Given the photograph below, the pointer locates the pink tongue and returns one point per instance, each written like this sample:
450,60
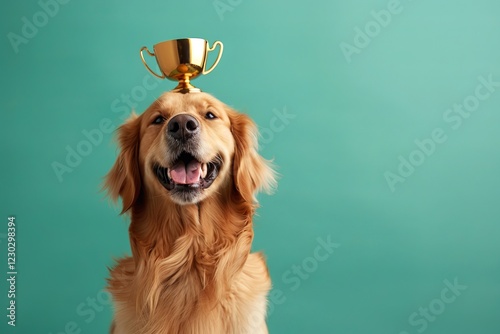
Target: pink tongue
186,174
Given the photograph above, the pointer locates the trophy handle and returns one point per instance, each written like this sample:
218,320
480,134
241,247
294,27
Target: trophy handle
218,57
145,64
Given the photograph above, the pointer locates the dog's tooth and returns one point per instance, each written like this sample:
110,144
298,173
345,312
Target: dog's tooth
169,173
203,170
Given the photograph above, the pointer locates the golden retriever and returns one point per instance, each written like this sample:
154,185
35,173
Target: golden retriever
187,173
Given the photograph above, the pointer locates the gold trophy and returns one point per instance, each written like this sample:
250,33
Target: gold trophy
182,60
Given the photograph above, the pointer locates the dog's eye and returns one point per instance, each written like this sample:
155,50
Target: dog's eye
210,115
159,120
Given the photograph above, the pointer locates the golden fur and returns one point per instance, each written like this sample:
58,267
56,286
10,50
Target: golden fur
191,270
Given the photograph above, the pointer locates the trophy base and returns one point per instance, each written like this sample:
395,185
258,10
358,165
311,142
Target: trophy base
185,86
183,90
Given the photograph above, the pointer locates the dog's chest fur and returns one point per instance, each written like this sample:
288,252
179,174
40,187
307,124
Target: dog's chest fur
194,286
182,308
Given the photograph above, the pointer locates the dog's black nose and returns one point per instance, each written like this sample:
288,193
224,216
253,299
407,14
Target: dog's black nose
183,127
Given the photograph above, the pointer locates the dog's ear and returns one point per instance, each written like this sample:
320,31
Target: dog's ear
124,180
251,172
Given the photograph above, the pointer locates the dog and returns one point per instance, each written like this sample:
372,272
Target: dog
187,174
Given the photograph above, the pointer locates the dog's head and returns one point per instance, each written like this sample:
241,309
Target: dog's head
185,148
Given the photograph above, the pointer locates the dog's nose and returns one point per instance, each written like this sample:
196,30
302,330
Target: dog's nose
183,127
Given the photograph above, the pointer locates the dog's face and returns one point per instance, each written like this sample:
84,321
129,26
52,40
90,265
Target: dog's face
185,148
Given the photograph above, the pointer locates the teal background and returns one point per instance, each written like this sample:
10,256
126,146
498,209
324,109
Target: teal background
350,123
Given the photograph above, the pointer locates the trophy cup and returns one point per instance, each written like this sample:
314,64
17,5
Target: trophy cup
182,60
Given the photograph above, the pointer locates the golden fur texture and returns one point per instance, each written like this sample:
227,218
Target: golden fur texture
191,270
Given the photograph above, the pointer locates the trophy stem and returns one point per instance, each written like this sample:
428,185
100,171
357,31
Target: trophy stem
185,86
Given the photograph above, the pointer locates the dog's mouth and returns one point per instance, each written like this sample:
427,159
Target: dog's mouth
187,173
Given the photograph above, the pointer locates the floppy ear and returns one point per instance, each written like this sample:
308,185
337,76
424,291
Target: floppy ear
124,179
251,172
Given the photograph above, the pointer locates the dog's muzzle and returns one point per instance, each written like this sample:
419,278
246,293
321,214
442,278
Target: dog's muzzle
186,174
